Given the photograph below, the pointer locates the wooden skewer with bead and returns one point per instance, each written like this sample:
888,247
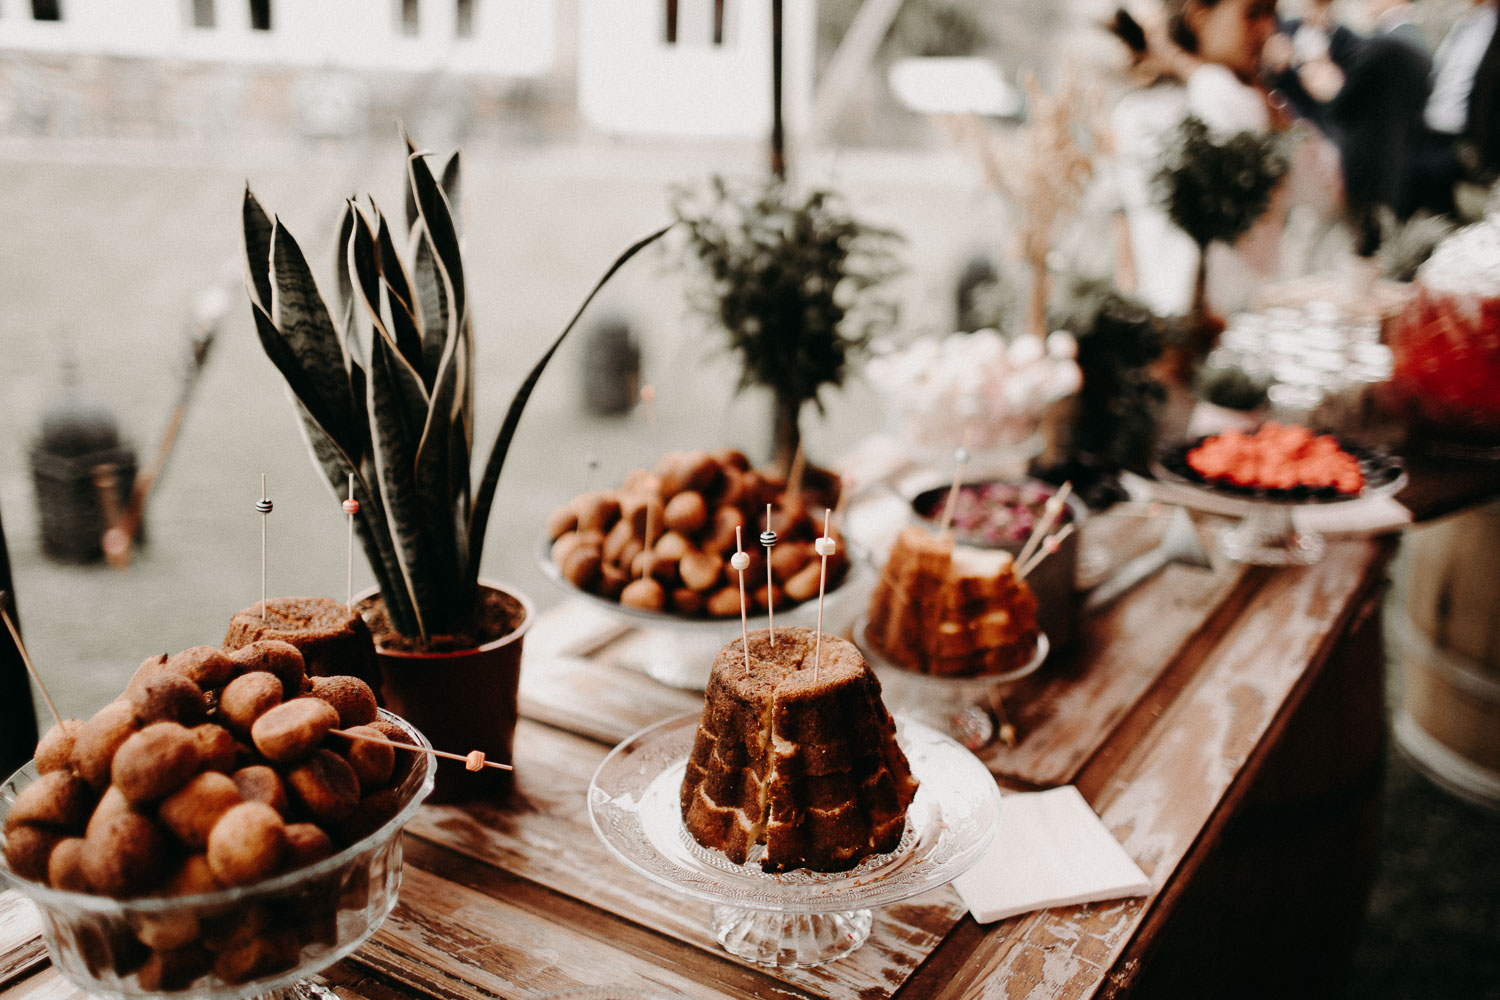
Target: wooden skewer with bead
960,459
15,635
1049,546
768,539
264,507
351,507
473,760
1050,514
738,562
1006,731
795,475
824,547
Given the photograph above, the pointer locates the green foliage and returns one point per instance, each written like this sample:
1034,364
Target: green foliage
1217,190
1405,246
791,279
1118,339
385,388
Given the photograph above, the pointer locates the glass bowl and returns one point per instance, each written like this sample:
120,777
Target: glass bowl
247,941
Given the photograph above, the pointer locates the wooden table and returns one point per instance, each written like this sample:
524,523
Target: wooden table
1226,726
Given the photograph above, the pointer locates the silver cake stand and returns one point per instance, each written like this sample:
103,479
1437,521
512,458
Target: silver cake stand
679,651
798,918
960,707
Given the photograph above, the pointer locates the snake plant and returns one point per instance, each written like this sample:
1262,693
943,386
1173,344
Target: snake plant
384,387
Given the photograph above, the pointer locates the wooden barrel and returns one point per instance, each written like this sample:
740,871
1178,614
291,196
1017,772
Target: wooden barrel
1449,649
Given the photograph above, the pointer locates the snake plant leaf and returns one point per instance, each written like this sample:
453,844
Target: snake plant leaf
346,229
405,315
437,219
303,322
257,226
359,448
484,499
396,431
453,188
411,198
432,300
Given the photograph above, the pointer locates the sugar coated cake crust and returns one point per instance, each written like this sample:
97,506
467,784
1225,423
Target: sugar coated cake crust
802,760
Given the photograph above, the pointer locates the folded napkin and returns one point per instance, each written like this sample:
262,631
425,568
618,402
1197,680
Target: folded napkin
1049,850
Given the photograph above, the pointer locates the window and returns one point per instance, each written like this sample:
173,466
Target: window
203,13
46,10
463,23
410,23
260,15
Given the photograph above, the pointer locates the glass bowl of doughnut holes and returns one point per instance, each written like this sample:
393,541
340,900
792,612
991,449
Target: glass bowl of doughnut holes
223,846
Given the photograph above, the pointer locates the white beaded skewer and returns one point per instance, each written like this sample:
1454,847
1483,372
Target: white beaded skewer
264,506
738,562
1039,530
350,507
960,459
1049,546
768,539
36,678
473,761
824,547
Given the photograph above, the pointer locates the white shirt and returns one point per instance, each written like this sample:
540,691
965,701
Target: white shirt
1454,66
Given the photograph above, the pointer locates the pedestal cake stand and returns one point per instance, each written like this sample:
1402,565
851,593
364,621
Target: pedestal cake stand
797,918
959,707
679,651
1265,534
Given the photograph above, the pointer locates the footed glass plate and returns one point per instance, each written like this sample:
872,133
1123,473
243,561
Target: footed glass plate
961,707
795,918
1265,535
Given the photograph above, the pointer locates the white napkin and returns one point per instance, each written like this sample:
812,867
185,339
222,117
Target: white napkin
1049,850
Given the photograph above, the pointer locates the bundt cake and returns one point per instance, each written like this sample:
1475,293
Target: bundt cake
804,761
955,610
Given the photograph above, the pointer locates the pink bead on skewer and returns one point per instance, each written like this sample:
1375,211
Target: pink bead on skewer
473,760
351,507
738,562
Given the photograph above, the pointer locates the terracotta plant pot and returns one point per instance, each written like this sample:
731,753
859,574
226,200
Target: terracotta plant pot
462,701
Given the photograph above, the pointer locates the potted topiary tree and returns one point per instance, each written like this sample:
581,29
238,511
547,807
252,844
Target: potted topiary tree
792,279
385,391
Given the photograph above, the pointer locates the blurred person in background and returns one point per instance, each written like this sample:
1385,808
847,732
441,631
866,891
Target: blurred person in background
1200,58
1368,97
1460,143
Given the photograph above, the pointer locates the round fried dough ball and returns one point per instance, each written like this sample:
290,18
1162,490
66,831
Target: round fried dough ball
247,698
686,512
208,667
259,783
192,877
28,848
372,762
156,761
55,749
191,811
275,657
325,786
96,741
350,696
65,866
246,844
645,594
126,856
306,844
169,697
217,747
293,729
58,799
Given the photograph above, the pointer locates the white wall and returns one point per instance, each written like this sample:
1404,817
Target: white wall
511,37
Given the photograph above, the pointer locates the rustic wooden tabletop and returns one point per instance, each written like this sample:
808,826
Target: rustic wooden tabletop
1162,714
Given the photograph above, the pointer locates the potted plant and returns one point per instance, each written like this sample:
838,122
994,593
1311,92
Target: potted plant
1213,189
384,387
793,280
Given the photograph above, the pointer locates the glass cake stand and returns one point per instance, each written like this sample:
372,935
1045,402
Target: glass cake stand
679,651
798,918
960,707
1266,534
